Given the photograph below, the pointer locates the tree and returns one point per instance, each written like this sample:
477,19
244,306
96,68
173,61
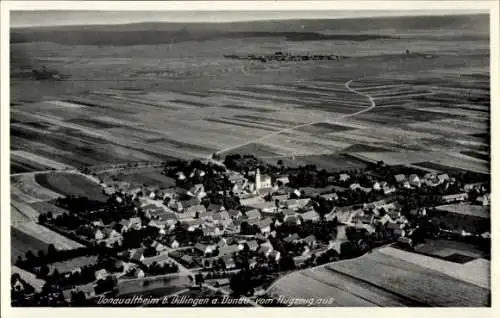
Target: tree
42,218
41,255
44,271
30,257
51,251
78,298
198,279
382,212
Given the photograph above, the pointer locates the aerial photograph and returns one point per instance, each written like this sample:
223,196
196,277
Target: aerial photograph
250,159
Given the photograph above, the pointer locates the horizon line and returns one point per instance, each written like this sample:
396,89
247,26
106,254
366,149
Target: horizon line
364,15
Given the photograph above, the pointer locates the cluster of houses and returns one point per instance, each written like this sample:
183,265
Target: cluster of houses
110,234
225,231
285,57
429,179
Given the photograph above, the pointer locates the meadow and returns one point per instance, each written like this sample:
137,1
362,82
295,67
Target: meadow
390,277
69,184
151,101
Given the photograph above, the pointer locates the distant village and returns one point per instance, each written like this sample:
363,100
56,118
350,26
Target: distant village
286,57
236,226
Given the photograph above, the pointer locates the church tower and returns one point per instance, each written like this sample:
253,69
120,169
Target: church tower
258,184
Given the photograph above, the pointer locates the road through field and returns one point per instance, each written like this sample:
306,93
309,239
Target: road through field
346,85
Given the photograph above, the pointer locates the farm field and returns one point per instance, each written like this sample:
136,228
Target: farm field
446,248
69,265
28,277
22,242
25,188
137,177
329,162
45,207
164,104
407,92
32,236
30,162
437,160
475,272
384,278
22,212
71,184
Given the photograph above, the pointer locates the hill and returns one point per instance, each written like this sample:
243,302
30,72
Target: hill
292,30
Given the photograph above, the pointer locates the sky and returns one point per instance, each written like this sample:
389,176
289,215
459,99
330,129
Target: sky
61,18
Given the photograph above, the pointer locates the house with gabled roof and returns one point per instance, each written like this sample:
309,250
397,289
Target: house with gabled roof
275,255
137,254
91,232
110,233
283,179
254,213
310,215
134,223
310,240
229,249
330,196
260,237
394,226
293,219
362,218
189,203
280,197
455,197
354,186
336,245
195,210
172,242
389,189
188,260
198,191
158,246
400,178
88,290
414,180
207,215
344,177
252,245
443,177
252,263
386,219
214,208
228,262
234,214
192,224
212,230
101,274
265,249
159,259
265,225
292,238
233,228
161,225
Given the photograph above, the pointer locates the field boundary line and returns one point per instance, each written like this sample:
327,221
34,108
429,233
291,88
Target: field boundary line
346,85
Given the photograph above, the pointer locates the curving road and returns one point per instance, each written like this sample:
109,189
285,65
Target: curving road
347,86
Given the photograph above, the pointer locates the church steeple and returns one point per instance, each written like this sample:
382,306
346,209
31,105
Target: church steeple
258,184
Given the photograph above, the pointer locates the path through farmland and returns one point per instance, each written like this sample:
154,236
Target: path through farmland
347,86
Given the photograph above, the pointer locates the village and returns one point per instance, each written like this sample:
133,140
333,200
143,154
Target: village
235,226
286,57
